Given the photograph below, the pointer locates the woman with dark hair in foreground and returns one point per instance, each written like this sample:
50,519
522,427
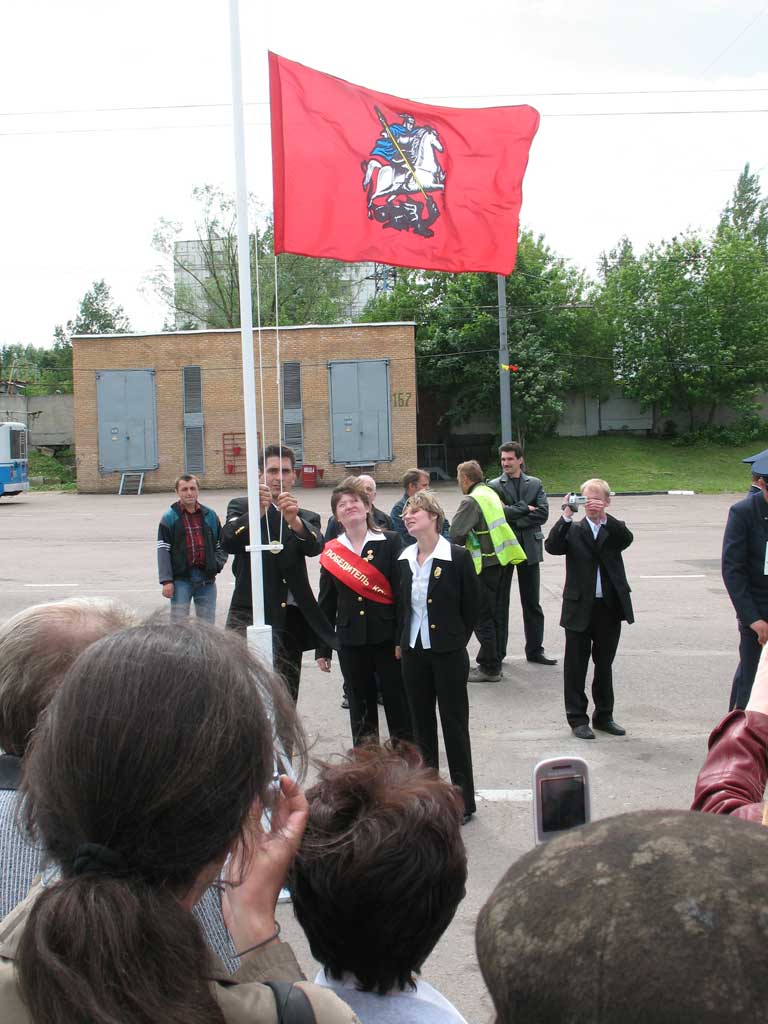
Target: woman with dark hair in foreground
151,768
379,876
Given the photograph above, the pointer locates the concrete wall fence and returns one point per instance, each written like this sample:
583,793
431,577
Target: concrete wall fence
50,419
218,355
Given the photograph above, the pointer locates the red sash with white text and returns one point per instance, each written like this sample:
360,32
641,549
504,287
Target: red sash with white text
356,573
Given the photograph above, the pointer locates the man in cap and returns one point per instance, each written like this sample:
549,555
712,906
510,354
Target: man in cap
654,917
750,460
745,574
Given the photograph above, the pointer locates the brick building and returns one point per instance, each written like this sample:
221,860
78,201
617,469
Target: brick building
163,404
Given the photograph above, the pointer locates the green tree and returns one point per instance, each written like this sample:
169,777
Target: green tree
554,338
747,212
47,370
98,313
687,320
200,286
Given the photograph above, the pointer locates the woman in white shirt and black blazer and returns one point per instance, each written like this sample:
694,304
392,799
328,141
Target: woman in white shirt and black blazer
439,599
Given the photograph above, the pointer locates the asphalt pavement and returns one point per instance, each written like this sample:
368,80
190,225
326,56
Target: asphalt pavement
672,673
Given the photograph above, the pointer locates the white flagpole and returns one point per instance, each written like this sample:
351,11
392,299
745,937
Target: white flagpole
259,634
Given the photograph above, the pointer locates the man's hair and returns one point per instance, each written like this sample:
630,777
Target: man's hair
186,477
511,446
676,895
472,470
382,867
367,476
37,646
427,500
412,476
118,786
354,486
277,451
595,481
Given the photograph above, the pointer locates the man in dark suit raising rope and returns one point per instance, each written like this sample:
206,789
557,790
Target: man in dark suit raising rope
290,607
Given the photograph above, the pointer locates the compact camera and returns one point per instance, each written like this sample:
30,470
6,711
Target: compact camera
574,502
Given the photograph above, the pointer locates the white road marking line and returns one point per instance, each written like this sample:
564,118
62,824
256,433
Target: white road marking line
518,796
51,584
689,576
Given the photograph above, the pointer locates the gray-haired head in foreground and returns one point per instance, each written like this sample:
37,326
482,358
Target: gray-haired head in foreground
37,646
657,917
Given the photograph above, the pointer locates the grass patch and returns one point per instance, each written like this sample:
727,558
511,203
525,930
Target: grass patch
57,475
640,464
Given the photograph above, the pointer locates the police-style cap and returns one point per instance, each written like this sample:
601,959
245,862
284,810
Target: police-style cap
750,459
760,465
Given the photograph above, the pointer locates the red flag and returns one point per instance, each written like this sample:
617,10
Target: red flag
362,176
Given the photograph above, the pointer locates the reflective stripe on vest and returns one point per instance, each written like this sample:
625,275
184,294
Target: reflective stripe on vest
506,547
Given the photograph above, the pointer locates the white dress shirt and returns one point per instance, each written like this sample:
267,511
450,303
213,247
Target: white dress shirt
595,527
419,588
370,537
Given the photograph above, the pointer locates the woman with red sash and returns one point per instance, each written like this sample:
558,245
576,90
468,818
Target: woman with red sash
439,601
358,592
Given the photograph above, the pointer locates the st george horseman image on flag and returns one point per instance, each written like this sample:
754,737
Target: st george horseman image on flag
361,176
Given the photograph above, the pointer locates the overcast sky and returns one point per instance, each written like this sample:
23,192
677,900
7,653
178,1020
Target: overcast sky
84,180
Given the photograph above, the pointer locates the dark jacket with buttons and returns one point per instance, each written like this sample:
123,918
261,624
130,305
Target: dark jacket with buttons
453,601
583,556
745,544
284,571
358,620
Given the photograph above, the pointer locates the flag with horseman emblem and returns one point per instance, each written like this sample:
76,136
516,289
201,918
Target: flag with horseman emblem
362,176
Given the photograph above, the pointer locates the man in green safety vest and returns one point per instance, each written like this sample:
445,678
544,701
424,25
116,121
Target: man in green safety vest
481,525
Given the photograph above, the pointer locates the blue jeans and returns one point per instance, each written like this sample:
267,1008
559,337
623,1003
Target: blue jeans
196,589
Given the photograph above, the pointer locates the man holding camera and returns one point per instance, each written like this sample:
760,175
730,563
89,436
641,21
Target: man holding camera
595,602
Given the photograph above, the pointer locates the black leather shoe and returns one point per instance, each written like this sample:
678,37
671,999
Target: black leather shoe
583,732
345,702
610,727
467,818
542,659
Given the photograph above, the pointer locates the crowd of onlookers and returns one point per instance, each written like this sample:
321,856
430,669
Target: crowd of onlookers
145,838
150,819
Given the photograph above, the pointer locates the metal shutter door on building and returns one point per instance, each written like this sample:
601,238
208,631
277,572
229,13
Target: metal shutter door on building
127,425
293,417
194,455
194,437
359,406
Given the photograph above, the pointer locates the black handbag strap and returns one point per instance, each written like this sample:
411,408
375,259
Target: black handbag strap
293,1007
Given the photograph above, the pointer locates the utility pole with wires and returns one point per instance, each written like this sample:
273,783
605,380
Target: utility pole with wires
504,387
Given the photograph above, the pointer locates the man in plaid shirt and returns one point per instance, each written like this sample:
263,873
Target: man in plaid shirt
188,553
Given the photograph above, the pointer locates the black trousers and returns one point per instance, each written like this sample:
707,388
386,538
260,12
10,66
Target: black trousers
287,643
361,668
486,629
600,640
441,677
528,585
749,656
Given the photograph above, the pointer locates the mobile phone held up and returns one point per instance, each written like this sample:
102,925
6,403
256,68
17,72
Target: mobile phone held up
560,796
574,502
